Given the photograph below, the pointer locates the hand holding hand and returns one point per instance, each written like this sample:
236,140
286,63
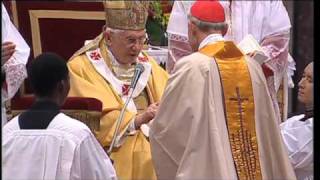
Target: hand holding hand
147,116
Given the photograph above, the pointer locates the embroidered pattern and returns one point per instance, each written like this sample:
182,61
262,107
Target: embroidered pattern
243,144
244,152
95,55
240,114
125,89
15,74
177,37
121,85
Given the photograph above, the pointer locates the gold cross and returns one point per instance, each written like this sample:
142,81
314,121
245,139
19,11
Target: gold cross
239,100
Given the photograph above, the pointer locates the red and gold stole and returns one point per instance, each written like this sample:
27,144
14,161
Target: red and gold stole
239,107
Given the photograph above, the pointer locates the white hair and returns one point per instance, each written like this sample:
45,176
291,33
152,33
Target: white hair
205,26
115,30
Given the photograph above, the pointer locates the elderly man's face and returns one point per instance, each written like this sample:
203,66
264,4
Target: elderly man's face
127,45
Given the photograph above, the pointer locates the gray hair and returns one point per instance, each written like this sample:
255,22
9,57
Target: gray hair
116,31
207,26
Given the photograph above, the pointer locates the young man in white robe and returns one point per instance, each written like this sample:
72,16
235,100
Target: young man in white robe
42,142
297,131
216,119
267,21
14,57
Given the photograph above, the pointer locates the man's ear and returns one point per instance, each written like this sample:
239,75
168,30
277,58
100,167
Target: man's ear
225,30
60,86
64,86
191,27
107,36
194,29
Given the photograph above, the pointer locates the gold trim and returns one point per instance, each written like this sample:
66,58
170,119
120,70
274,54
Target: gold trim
90,118
35,15
15,13
114,5
239,108
282,99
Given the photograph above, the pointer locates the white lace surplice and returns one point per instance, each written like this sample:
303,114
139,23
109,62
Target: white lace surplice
15,67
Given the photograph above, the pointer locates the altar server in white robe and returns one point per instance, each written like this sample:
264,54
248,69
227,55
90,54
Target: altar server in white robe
42,142
297,131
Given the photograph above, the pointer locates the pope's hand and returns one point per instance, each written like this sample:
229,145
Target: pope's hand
147,116
7,49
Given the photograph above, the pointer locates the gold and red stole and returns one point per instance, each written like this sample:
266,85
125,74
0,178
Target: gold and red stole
239,107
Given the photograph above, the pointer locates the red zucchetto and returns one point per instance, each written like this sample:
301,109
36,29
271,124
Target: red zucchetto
208,11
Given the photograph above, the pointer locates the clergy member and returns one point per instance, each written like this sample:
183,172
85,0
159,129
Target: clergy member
297,131
42,142
103,69
216,119
14,57
267,21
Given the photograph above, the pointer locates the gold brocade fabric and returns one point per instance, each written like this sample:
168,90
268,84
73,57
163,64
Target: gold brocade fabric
123,73
281,100
142,101
239,108
126,15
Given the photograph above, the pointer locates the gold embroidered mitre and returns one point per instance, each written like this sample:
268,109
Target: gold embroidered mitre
126,15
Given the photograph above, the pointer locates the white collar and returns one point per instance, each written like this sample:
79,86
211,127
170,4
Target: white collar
211,39
114,60
119,86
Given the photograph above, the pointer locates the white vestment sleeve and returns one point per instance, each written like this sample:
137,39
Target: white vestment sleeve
178,18
15,67
298,138
278,19
91,162
177,30
275,40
